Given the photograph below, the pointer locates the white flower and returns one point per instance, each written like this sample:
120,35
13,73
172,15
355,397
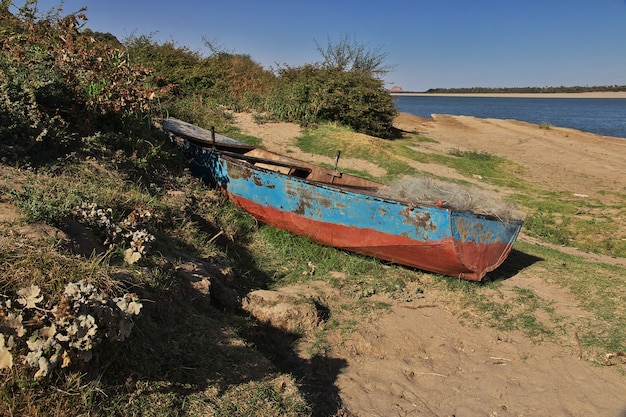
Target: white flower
73,290
67,360
32,358
139,240
72,329
48,332
84,331
29,296
42,340
14,322
44,367
129,304
86,320
6,359
131,256
81,292
62,337
134,307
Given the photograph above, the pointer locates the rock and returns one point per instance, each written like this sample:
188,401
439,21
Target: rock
288,312
206,286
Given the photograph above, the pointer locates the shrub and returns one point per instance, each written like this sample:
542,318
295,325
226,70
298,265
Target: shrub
311,94
203,87
344,88
55,81
356,99
64,334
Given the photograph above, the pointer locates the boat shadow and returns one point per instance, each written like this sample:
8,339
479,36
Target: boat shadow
516,262
316,376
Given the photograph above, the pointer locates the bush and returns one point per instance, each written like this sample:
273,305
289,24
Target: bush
356,100
203,87
311,94
55,81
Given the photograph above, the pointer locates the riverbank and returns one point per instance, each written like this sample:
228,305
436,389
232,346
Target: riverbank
558,158
597,94
422,357
562,159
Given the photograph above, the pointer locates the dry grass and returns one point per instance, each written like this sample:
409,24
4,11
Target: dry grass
199,365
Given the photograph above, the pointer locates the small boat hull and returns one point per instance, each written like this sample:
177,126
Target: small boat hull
354,218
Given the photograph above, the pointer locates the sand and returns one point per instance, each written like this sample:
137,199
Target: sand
420,359
595,94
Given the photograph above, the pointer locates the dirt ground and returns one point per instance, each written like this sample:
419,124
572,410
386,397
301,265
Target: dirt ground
420,360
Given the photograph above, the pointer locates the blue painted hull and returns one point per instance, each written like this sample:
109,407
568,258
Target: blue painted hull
349,215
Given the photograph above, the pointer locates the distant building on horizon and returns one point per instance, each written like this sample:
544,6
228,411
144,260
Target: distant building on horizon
396,89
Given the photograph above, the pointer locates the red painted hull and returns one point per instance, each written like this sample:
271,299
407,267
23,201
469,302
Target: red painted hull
466,260
346,211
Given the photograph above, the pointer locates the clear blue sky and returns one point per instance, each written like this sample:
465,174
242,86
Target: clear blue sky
429,43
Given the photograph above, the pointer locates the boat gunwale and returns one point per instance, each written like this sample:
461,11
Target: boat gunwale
364,191
222,144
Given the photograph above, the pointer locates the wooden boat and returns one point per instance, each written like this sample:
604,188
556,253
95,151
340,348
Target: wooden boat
346,211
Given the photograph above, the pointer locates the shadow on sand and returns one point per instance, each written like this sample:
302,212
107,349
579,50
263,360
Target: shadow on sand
516,262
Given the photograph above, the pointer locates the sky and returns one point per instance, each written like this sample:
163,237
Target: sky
428,43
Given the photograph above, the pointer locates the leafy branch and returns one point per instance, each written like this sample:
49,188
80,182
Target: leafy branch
350,55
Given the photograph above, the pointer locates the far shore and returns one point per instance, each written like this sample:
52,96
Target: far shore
595,94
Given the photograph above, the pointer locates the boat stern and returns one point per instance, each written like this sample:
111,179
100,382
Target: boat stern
482,243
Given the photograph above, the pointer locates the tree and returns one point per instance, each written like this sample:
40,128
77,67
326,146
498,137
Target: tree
350,55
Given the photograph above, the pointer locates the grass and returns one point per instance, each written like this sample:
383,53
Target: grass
555,217
214,362
290,256
597,289
587,224
523,310
395,156
328,139
202,365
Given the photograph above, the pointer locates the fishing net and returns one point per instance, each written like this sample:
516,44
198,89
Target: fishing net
425,190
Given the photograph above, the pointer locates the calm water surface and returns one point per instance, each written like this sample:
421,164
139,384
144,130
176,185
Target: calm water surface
603,116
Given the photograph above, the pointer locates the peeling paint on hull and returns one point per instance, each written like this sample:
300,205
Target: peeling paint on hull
434,239
343,211
467,260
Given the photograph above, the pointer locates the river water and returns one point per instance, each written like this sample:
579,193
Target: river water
603,116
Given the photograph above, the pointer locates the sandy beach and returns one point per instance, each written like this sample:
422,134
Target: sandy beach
420,359
599,94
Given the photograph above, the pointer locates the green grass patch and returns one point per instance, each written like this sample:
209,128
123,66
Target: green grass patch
328,139
597,288
286,259
587,224
395,155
